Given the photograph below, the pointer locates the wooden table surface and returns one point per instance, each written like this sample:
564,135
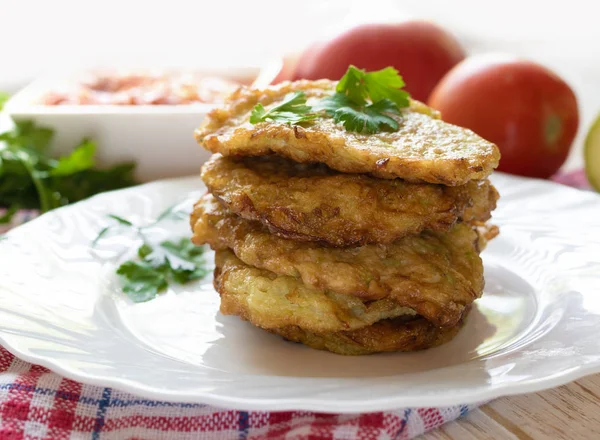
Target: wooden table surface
569,412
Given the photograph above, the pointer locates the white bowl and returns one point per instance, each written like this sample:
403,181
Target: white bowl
158,138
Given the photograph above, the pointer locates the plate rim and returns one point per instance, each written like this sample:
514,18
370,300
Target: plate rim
306,404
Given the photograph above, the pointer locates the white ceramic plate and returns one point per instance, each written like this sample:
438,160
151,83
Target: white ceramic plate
535,327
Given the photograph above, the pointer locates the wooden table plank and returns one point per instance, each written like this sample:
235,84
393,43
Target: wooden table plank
569,412
475,426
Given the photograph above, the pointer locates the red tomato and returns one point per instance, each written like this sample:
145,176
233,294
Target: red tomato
524,108
421,51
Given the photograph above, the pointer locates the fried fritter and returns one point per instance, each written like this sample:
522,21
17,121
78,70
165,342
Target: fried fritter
311,202
273,301
400,334
436,274
424,148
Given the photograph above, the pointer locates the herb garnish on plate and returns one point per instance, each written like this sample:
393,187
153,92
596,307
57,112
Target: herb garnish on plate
157,263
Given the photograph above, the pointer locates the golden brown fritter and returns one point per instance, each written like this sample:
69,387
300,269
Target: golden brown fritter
424,148
400,334
436,274
311,202
273,301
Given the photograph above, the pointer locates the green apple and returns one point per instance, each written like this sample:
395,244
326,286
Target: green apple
591,154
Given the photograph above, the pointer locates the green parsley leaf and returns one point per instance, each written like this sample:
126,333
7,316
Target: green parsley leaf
259,114
182,256
121,220
141,280
360,86
334,102
105,230
155,255
367,119
83,184
187,253
30,136
80,159
179,261
188,263
386,84
33,179
352,85
292,110
146,250
350,104
3,98
30,161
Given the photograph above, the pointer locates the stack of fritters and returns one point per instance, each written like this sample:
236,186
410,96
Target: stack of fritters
346,242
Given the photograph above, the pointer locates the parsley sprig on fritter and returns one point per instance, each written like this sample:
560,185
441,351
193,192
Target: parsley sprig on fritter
362,103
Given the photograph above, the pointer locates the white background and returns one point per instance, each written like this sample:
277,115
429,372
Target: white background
37,36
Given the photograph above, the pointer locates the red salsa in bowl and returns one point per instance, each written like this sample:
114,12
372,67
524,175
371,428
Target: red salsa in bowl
114,88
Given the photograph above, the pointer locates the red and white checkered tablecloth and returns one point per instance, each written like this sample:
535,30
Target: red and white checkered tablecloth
38,404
